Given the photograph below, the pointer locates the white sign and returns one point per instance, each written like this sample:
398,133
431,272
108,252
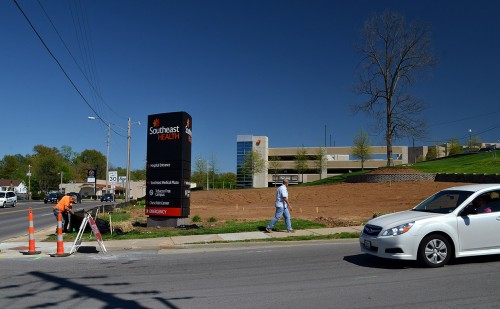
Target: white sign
122,179
113,176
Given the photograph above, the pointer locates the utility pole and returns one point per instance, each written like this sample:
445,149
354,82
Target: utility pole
127,188
107,157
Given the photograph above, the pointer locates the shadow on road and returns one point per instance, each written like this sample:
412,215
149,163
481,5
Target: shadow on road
366,260
83,292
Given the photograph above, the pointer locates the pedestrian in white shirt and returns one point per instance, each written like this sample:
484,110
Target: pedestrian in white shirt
283,208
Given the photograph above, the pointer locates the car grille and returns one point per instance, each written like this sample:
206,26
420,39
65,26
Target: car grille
372,230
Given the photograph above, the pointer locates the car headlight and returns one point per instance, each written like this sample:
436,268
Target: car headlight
398,230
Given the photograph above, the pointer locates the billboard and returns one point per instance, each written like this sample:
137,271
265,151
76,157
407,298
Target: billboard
168,168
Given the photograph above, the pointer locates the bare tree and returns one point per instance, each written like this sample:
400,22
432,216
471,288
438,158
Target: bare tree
320,162
361,148
394,52
301,163
213,168
274,165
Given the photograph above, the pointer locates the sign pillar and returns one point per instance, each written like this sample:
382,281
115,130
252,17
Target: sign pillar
168,169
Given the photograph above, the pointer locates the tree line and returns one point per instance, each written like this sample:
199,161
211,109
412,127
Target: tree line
47,167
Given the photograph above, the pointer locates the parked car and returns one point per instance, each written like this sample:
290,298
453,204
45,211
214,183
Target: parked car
53,198
456,222
108,197
8,198
77,196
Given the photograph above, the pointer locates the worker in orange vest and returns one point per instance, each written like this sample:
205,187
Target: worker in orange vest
64,206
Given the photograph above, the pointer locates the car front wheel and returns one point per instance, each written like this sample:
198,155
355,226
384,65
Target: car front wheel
434,251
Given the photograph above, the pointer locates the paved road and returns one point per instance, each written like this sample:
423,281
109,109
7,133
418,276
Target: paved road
316,274
14,220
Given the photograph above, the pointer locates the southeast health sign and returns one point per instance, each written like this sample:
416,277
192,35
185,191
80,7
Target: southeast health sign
168,168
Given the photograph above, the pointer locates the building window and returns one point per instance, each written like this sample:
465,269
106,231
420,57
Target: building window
243,179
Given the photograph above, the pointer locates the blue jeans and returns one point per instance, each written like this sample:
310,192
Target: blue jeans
280,211
65,220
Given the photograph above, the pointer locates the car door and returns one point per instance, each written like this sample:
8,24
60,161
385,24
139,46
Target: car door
9,198
479,231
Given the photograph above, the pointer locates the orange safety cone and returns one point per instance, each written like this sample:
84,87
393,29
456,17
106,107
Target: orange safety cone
31,232
60,242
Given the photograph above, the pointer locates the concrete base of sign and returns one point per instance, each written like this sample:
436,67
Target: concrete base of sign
167,222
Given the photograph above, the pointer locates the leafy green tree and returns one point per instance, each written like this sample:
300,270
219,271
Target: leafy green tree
301,161
361,148
68,153
431,153
227,180
253,163
393,53
138,175
13,167
455,147
89,160
47,165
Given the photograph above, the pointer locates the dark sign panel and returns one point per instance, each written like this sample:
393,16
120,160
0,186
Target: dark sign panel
168,168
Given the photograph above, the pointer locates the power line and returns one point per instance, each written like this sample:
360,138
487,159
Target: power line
93,85
57,61
63,70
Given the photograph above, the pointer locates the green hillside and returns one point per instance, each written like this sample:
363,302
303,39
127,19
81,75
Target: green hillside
478,163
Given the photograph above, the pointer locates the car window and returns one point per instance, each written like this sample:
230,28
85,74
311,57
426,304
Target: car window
486,202
443,201
2,194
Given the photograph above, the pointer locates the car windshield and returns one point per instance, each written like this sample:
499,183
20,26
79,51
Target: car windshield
444,201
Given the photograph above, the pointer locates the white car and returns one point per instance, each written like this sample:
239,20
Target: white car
455,222
8,198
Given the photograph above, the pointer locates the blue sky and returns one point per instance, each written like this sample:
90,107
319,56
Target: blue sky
279,68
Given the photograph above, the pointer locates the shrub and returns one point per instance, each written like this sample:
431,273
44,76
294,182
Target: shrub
212,219
196,218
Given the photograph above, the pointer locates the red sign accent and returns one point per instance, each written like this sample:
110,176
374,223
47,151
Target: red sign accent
95,230
163,212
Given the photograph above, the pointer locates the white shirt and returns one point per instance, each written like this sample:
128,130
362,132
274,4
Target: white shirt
281,193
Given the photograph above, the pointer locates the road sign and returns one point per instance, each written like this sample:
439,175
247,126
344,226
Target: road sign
122,179
113,176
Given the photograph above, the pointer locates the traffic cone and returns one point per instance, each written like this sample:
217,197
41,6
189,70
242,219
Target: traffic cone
31,232
60,242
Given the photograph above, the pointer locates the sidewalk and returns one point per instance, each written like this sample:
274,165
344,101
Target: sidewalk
13,247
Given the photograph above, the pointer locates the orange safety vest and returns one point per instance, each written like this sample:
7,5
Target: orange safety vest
63,203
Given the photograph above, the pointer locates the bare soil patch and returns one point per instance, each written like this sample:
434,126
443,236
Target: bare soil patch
334,205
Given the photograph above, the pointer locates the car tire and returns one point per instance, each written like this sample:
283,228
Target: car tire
3,205
14,204
434,251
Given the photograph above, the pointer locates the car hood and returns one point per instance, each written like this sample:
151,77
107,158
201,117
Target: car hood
402,217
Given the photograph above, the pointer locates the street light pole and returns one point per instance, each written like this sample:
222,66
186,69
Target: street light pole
29,182
60,187
470,139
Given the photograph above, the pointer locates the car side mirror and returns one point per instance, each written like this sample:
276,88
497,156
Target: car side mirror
469,210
